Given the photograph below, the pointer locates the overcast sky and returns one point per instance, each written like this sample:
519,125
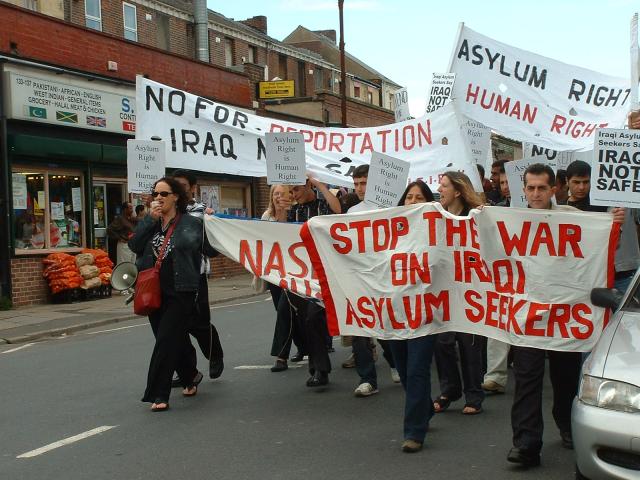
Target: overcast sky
408,40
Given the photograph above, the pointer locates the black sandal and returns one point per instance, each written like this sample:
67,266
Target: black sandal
193,386
441,403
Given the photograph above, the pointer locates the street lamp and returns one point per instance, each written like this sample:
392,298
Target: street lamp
343,73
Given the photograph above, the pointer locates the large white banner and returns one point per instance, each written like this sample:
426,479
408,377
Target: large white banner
411,271
208,136
532,98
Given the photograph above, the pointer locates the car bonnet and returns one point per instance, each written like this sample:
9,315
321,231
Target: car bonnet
623,359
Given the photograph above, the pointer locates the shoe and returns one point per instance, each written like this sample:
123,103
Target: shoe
298,357
350,362
411,446
567,439
365,390
492,387
279,366
395,376
175,381
441,403
318,379
191,389
216,366
521,456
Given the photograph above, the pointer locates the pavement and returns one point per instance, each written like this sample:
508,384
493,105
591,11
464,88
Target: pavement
27,324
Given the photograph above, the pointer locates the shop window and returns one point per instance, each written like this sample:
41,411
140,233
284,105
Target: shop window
130,22
48,210
93,14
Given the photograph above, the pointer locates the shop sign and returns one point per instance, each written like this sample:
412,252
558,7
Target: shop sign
280,89
39,97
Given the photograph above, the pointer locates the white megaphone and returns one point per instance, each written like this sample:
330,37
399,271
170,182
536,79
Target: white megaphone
123,278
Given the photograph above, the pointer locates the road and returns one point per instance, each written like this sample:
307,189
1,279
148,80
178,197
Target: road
249,424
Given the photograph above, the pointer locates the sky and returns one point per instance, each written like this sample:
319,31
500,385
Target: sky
408,40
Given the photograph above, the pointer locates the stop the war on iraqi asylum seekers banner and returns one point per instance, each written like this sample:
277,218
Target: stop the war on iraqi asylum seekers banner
204,135
520,276
533,98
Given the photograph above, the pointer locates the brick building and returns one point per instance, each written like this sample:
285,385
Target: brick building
66,168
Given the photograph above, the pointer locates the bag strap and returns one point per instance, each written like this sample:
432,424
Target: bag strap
167,237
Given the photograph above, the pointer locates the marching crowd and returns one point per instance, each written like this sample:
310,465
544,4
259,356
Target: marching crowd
171,238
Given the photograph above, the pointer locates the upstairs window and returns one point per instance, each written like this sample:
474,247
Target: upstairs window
253,54
93,14
130,22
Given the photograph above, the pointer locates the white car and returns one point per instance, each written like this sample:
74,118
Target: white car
606,412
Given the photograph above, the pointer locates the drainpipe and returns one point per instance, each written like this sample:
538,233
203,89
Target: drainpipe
200,16
5,200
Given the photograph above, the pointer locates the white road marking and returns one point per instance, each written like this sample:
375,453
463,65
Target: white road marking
18,348
238,304
116,329
66,441
265,367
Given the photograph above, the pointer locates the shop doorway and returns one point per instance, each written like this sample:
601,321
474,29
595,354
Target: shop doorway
107,203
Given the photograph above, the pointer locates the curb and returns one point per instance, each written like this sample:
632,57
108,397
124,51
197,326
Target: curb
54,332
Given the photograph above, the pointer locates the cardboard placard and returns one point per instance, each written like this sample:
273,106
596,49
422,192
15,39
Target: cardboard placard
401,105
286,163
440,91
386,181
145,164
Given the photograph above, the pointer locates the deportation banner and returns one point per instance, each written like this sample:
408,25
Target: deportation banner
208,136
534,98
411,271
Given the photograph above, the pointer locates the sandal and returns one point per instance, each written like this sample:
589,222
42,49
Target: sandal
441,403
191,389
471,410
160,405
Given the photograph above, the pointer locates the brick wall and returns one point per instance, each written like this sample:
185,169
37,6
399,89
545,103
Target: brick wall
223,267
28,285
87,50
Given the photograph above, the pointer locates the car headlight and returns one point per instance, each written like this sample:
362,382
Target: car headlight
604,393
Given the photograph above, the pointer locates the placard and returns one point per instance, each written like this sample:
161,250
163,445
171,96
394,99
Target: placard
555,159
76,199
440,91
478,138
386,181
401,105
145,164
286,163
615,172
515,178
41,201
19,183
210,197
57,210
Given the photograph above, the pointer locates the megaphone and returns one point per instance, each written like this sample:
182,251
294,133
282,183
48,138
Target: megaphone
123,278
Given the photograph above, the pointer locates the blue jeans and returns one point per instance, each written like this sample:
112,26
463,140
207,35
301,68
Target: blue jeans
413,362
365,365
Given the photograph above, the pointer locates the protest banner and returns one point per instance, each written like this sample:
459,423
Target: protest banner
411,271
440,91
515,178
386,181
208,136
555,159
145,164
286,163
533,98
615,171
401,105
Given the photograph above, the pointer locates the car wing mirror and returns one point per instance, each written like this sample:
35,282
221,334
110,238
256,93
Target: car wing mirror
606,298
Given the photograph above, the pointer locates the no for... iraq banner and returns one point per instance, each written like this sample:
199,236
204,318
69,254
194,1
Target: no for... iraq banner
533,98
208,136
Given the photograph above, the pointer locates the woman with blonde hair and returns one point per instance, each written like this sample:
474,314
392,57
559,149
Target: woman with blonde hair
458,198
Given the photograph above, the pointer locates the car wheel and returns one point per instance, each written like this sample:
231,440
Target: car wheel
579,475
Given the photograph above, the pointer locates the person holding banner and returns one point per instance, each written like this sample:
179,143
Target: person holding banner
458,198
412,358
168,230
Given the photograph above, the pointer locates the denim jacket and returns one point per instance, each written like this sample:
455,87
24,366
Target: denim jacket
186,253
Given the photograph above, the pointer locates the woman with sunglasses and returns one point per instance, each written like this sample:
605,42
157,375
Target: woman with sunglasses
412,358
457,197
179,280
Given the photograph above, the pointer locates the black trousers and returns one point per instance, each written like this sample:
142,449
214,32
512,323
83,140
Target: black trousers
289,327
315,328
201,328
470,348
170,330
526,413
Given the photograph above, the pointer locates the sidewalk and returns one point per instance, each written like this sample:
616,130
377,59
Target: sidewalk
32,323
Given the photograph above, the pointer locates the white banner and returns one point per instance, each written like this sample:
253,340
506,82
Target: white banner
534,98
212,137
411,271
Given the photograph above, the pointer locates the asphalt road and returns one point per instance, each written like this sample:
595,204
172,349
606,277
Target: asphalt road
249,424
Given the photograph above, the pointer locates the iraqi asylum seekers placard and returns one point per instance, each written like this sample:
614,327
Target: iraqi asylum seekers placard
440,91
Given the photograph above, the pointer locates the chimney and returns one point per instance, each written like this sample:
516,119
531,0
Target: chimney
257,23
200,16
330,34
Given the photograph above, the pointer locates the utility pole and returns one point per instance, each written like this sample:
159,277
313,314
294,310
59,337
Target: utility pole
343,73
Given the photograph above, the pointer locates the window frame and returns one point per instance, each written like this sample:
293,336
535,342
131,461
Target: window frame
48,172
91,17
124,21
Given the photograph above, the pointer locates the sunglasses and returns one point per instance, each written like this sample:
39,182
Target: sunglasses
154,194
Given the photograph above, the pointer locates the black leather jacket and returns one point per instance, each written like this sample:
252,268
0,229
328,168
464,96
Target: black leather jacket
186,253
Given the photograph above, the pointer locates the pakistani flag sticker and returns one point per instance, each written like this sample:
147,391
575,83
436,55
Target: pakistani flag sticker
66,117
35,112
